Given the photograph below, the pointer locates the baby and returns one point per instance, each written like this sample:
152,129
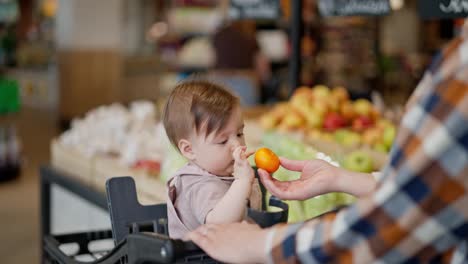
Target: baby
204,122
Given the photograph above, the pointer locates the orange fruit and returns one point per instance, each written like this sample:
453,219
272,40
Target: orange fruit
267,160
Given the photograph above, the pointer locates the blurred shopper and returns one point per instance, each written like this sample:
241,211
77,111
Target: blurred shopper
419,211
239,61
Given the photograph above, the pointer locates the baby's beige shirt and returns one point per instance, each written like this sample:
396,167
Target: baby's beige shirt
192,193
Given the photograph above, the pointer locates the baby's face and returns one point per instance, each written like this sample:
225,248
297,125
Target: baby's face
214,152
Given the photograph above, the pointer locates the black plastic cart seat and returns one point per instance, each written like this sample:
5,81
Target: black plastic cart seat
128,215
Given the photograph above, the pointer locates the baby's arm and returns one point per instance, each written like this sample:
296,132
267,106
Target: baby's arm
231,208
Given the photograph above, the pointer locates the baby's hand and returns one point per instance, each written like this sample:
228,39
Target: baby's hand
241,153
242,168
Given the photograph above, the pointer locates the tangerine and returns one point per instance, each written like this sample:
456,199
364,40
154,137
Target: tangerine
267,160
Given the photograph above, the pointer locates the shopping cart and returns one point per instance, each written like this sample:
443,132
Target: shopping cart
140,233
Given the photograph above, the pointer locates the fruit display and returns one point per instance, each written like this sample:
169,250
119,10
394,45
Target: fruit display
324,114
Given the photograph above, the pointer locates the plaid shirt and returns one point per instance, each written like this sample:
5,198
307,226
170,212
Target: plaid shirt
419,212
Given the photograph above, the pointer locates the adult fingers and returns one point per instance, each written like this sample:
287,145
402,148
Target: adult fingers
293,165
277,188
202,240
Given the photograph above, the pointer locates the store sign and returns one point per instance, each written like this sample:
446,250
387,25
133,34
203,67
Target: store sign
354,7
443,8
254,9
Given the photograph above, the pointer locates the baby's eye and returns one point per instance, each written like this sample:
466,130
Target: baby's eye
223,142
240,134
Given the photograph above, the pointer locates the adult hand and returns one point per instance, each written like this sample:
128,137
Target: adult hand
317,177
232,243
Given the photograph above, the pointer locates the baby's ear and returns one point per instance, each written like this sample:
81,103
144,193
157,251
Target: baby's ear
185,148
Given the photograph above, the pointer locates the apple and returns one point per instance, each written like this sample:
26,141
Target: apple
358,161
347,138
347,110
361,123
333,104
281,109
340,93
293,120
320,106
314,118
380,147
269,121
299,103
303,91
362,107
374,114
321,91
389,136
383,123
371,136
333,121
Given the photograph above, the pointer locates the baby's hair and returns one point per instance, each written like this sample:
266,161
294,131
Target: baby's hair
197,105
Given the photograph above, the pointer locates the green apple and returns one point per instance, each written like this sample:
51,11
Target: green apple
347,138
358,161
313,118
300,103
340,135
383,123
362,107
389,135
321,91
293,120
380,147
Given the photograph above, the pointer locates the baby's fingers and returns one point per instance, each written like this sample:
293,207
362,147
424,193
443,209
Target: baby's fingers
249,153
